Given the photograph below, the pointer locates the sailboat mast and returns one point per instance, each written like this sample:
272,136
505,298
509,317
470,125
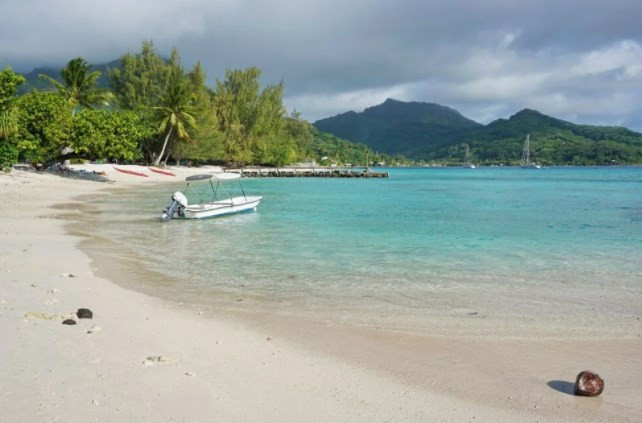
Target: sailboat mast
526,155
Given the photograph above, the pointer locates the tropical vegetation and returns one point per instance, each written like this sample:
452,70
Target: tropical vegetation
150,109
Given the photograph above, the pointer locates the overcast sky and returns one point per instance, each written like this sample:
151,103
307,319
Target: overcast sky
579,60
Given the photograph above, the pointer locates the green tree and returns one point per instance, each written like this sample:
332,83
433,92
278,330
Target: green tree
177,113
300,132
9,83
143,78
251,120
44,125
207,143
111,135
79,85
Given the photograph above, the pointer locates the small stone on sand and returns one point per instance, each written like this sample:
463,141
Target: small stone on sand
84,313
189,374
69,322
94,329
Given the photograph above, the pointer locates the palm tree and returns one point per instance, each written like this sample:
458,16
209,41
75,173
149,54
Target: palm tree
79,85
177,112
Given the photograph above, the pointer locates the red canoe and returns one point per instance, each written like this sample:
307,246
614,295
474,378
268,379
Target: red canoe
164,172
131,172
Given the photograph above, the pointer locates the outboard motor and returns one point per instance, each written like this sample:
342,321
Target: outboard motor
179,201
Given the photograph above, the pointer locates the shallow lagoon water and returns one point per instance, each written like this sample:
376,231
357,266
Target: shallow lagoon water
487,250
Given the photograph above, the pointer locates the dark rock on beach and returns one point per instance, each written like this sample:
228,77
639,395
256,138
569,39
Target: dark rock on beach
588,384
84,313
69,322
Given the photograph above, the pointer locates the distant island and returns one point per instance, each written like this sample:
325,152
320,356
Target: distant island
428,132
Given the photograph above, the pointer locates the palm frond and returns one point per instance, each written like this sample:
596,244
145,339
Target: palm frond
57,85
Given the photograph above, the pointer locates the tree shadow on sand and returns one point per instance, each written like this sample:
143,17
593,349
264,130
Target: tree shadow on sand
562,386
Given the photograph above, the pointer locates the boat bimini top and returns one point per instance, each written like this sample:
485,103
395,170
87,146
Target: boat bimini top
179,199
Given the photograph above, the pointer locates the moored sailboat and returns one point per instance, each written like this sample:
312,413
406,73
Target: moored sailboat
467,163
525,162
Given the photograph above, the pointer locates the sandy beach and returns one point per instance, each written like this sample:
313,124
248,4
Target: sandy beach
143,358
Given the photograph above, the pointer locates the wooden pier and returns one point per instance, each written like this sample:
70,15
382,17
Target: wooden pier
307,172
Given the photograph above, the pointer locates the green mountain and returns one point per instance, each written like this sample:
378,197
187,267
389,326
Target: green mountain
553,141
425,131
33,82
395,127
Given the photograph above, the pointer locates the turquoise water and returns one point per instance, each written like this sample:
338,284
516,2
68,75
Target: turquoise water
554,248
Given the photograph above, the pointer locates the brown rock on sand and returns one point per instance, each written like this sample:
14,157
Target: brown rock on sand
588,384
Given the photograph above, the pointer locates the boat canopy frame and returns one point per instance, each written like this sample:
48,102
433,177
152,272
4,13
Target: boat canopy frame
219,178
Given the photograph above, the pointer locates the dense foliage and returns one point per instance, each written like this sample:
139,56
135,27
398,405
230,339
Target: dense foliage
9,83
45,125
143,78
117,135
160,112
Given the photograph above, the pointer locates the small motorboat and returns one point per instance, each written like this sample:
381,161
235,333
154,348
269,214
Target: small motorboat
216,206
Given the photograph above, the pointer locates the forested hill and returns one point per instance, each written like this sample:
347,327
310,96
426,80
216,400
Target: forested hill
33,82
444,134
396,127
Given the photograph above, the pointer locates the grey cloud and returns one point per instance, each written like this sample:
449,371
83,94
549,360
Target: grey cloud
576,59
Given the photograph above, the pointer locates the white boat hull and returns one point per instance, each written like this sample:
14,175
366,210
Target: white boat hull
220,208
531,166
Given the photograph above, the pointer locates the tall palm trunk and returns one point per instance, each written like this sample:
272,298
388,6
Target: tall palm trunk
169,151
160,156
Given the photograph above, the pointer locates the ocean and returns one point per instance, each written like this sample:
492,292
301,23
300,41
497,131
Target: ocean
488,251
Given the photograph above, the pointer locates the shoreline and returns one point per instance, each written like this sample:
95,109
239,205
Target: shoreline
305,371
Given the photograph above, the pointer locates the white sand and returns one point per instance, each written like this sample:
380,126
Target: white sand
226,369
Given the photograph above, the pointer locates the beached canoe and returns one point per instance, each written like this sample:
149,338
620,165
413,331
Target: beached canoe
131,172
162,172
